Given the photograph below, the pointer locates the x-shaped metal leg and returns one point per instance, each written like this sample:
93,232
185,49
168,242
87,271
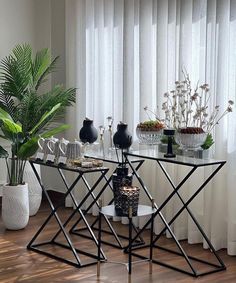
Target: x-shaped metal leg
193,272
62,226
112,231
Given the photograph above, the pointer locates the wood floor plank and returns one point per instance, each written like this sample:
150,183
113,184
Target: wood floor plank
17,264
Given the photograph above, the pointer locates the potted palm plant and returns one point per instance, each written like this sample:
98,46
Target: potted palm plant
25,116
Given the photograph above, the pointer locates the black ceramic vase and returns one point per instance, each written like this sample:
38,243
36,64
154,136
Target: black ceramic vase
122,138
88,132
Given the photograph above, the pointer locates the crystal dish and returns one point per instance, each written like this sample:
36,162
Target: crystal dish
149,137
190,141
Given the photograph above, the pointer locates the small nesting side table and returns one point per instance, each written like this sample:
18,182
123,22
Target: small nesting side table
143,210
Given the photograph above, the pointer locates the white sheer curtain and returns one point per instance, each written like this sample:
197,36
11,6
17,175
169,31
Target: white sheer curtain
124,54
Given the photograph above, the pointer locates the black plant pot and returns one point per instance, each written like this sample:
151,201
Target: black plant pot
122,138
88,132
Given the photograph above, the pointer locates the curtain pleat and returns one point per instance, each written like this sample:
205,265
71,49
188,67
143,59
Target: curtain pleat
123,55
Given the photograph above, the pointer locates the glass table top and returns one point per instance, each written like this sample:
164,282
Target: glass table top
154,154
139,152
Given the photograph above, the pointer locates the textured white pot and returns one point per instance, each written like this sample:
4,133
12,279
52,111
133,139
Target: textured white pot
15,206
35,191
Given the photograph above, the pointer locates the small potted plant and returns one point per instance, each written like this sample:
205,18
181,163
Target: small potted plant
25,115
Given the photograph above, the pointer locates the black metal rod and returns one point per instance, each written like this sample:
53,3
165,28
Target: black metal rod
61,225
80,211
185,206
78,206
69,191
151,239
191,257
78,250
150,197
99,235
53,256
113,232
56,217
130,244
158,212
219,268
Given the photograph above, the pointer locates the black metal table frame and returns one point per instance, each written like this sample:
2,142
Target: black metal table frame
108,210
219,164
77,231
36,246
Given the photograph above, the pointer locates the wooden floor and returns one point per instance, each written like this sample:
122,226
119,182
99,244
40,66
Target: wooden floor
17,264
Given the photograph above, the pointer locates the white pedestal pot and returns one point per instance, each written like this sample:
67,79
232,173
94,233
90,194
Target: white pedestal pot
35,191
15,206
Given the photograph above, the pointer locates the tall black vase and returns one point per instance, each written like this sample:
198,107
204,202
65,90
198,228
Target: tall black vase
88,132
122,138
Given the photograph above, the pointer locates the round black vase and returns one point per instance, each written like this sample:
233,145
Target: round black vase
122,138
88,132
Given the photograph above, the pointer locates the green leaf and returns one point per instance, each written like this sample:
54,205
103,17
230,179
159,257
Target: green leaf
16,71
208,142
3,152
45,117
42,67
10,129
28,149
55,131
5,115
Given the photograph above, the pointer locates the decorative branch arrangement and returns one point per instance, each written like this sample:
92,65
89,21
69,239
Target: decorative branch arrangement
187,107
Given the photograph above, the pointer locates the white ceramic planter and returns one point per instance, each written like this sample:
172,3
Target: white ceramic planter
35,191
15,206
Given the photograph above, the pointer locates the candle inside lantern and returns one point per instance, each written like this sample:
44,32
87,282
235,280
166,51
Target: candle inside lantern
129,189
129,199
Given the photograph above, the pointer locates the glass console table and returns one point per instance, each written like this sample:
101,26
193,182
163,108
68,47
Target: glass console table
115,158
62,238
193,164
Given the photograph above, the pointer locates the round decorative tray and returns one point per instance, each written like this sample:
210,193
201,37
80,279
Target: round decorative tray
149,137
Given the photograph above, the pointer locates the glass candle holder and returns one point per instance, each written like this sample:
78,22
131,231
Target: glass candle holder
129,198
101,140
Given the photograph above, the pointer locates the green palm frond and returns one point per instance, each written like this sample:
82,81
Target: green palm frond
8,104
46,117
5,115
42,66
58,95
24,112
26,109
15,71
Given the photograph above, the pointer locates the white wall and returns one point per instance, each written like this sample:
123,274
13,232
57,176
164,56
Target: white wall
52,179
24,21
41,23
